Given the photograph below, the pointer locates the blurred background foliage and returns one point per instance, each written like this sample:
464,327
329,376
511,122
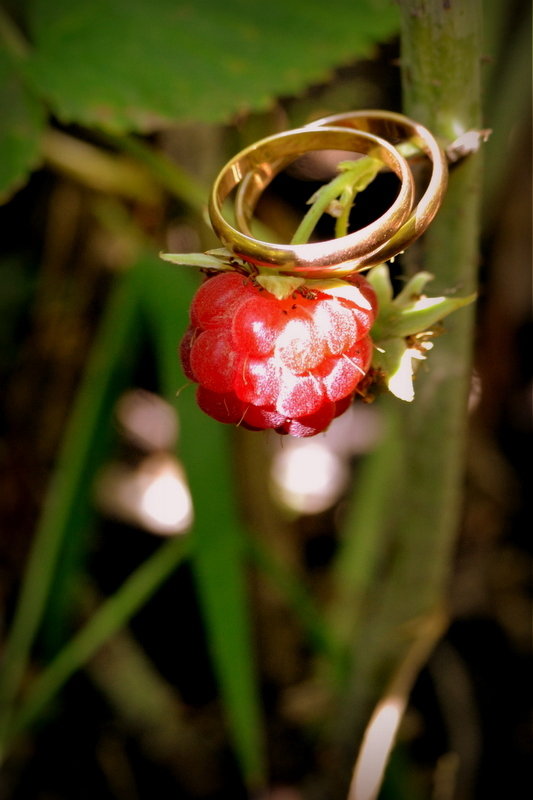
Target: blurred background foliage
216,662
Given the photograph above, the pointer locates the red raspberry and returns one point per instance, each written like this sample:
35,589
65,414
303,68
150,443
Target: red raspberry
290,364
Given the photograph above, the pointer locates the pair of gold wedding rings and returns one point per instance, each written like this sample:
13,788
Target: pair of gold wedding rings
375,133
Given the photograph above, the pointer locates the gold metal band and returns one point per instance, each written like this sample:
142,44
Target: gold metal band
263,160
394,128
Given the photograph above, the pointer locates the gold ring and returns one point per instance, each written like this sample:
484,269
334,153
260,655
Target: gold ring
264,159
394,128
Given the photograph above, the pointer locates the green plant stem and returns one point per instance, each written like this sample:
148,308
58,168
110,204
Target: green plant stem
93,167
440,58
10,36
343,220
181,185
107,620
440,66
344,187
330,192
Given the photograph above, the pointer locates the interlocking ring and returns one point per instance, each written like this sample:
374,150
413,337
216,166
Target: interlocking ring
263,160
394,128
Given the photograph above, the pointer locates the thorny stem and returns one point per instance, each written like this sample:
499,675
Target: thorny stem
440,69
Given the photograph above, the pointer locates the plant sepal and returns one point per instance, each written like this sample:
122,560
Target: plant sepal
405,327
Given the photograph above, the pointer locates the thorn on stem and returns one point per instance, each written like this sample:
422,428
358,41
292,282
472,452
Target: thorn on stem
466,144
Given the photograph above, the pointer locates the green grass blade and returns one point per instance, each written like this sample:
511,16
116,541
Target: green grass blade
68,488
113,614
218,555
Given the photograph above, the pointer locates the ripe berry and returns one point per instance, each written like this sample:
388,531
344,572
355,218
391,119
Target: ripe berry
292,364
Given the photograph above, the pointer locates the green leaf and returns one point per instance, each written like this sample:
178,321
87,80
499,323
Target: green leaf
395,360
20,129
413,288
138,65
424,313
410,312
379,279
198,260
416,316
281,286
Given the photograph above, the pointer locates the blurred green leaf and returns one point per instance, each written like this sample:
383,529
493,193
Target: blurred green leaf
22,123
219,556
88,441
113,613
219,549
68,496
137,64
